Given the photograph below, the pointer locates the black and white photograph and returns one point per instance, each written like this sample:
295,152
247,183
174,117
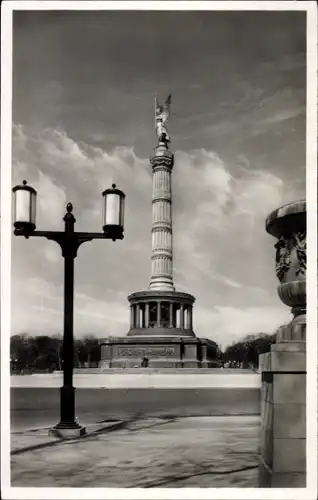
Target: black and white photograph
158,176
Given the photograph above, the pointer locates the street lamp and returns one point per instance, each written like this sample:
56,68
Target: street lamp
69,241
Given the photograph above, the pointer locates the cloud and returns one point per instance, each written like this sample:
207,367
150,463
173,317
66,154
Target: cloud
229,324
52,253
43,300
222,254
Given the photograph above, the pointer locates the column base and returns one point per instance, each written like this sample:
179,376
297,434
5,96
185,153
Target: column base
161,286
210,364
67,431
190,363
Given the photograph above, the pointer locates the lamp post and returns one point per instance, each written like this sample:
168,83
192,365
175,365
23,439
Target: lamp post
69,241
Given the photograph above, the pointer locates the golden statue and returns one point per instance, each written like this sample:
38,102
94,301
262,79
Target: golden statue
162,113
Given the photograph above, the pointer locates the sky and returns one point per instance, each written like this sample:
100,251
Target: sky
83,102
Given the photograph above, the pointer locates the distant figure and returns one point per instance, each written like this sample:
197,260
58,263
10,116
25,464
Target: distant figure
144,362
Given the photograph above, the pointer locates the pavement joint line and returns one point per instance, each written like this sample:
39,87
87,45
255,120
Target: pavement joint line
170,479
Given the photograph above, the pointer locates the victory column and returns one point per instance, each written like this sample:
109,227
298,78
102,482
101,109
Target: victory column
161,318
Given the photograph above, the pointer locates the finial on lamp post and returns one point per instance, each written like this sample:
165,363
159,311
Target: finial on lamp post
69,208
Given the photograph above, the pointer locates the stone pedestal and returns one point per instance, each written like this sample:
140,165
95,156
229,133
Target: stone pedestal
161,352
208,356
283,369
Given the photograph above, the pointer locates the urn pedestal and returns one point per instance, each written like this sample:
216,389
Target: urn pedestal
283,369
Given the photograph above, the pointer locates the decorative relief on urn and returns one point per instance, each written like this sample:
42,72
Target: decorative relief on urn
288,225
283,259
301,249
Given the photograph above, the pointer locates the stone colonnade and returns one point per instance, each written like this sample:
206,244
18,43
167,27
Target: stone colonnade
161,314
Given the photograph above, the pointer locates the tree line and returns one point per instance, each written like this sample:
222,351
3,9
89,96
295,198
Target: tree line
44,353
245,353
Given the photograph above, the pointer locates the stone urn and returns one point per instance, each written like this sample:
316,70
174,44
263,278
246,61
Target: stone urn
283,368
288,225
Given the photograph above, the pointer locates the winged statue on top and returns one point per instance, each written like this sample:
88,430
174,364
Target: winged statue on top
162,113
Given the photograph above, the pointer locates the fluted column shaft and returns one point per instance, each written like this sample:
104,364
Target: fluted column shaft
161,255
190,318
171,315
181,316
137,316
132,316
147,316
158,313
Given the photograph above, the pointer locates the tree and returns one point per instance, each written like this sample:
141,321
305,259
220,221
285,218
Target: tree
45,353
247,350
19,352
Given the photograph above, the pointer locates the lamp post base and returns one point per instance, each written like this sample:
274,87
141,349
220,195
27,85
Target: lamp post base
67,431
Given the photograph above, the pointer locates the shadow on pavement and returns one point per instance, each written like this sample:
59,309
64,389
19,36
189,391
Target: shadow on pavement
171,479
55,442
91,435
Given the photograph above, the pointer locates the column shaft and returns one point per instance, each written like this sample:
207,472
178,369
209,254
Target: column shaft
137,316
190,320
171,315
161,276
181,316
158,313
146,315
132,316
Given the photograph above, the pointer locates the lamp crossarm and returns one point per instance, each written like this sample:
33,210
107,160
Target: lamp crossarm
70,241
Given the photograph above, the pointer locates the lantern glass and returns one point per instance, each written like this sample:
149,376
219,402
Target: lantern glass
122,211
113,210
24,207
33,208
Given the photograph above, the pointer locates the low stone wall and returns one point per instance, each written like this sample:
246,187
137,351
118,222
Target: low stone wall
126,379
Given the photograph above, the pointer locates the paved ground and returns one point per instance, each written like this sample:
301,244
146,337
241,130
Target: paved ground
143,452
139,437
34,407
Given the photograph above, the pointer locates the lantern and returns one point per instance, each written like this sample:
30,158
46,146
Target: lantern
113,211
24,208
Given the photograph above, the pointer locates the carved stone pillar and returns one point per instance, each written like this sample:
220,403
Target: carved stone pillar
190,320
147,315
283,369
137,316
162,250
158,313
181,316
171,315
132,316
